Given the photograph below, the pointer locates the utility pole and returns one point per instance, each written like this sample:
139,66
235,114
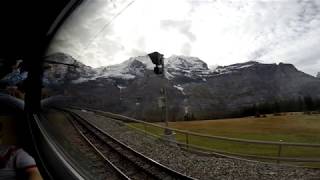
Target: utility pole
138,103
120,92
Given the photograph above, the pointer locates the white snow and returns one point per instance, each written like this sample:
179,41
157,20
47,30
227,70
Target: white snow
169,75
185,63
234,67
121,87
175,66
179,87
191,67
80,80
213,67
125,70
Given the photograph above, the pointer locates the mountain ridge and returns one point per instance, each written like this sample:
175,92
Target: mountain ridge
206,93
175,65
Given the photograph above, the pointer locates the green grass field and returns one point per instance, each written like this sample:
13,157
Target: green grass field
291,127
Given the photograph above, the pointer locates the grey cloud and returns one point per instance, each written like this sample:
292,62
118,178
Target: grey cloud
186,49
308,57
255,55
136,52
309,65
182,26
309,10
278,29
84,32
285,20
141,43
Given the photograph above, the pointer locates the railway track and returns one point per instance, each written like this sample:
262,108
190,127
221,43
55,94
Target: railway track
98,166
123,160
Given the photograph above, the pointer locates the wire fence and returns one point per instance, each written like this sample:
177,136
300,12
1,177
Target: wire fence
300,154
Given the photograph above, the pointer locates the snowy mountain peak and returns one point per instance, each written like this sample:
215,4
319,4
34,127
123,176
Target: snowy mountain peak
184,66
182,69
234,67
186,63
144,60
129,69
136,67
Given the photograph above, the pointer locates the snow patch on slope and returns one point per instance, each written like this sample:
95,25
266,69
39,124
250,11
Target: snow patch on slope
186,63
129,69
82,80
179,87
234,67
185,66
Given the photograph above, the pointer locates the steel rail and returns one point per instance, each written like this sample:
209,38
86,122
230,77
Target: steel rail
170,173
106,160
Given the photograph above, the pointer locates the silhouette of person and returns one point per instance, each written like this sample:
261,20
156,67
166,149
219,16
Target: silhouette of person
15,163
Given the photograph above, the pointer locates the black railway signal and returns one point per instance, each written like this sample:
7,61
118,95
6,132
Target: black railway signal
157,59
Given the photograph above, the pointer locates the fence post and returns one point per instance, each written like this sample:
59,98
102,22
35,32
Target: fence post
279,152
187,139
145,128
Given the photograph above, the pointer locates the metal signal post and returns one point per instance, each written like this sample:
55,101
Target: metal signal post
158,60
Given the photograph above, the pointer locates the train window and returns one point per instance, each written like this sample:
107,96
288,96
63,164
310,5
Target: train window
200,87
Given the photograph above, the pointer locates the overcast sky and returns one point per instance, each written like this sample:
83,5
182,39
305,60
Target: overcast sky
220,32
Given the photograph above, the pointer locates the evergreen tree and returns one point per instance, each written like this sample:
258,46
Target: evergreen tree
276,107
309,103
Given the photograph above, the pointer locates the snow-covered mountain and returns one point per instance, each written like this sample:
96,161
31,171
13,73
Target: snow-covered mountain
137,66
176,66
187,67
129,69
206,93
181,68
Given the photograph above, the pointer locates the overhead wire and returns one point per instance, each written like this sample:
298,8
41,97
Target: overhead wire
107,24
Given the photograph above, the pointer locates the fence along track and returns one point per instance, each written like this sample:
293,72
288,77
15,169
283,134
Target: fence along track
219,152
128,162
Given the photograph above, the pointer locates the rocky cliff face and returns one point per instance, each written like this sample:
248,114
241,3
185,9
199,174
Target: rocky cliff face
131,88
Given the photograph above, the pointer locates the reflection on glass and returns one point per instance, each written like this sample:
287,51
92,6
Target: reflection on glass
250,63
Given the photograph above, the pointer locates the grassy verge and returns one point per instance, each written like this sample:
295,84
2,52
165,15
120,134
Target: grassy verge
293,127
